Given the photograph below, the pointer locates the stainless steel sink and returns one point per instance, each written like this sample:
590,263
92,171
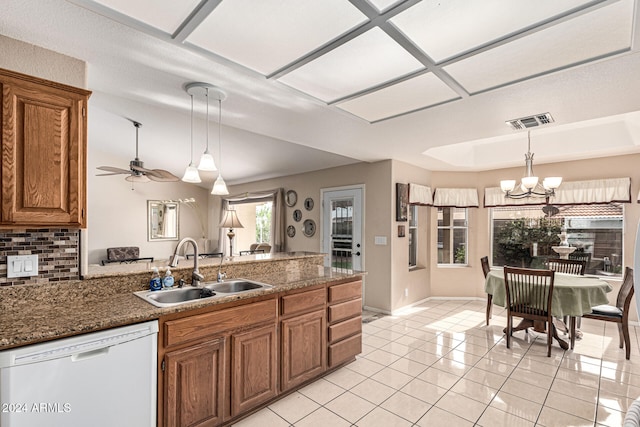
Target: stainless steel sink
235,286
171,297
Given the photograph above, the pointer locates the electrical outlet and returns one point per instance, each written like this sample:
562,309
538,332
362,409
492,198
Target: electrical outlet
406,292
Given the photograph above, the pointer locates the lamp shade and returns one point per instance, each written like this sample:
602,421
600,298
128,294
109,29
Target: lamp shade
230,220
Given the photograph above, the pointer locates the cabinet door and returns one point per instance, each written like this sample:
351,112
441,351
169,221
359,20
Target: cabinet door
304,344
254,368
43,154
194,385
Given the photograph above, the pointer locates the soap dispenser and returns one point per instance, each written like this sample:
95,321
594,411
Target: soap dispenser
155,284
168,279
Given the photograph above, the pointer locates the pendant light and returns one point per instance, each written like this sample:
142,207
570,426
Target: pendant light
530,186
191,172
219,187
206,160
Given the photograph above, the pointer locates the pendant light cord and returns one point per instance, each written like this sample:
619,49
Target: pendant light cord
207,95
220,135
191,128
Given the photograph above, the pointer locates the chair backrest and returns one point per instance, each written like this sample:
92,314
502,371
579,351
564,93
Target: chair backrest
581,256
569,266
626,291
122,253
263,246
529,291
485,265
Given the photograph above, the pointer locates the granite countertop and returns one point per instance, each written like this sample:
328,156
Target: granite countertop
36,313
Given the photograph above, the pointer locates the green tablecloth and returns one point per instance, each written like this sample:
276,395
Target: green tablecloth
572,295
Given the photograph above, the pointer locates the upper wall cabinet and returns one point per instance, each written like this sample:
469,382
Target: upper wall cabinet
44,140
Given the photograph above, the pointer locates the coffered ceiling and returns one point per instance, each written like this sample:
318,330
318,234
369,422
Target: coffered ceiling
428,82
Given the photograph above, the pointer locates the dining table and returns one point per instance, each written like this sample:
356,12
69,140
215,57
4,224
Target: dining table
573,296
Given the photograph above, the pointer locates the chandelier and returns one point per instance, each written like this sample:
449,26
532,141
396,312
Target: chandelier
530,185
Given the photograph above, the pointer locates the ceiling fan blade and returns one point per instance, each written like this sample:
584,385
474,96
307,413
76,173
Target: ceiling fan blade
109,174
114,170
162,175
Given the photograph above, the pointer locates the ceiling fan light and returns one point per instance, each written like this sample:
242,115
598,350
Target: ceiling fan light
206,162
191,174
507,185
137,178
219,187
552,182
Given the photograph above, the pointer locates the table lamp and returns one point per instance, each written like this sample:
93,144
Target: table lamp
230,221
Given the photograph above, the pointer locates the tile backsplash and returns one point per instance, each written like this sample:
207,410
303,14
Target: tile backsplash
57,249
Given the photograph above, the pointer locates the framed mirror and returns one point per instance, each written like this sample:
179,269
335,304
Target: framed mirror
162,220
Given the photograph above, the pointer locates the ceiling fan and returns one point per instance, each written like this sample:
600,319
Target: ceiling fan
136,171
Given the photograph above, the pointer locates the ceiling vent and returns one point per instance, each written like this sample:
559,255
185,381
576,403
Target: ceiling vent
530,122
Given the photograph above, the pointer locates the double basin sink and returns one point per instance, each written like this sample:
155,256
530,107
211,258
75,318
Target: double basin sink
171,297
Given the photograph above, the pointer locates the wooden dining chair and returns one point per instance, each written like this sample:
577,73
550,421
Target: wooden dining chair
568,266
618,313
529,294
485,270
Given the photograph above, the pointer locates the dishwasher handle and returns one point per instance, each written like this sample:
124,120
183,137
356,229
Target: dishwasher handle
79,357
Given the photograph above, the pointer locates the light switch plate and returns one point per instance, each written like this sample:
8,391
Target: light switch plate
380,240
22,266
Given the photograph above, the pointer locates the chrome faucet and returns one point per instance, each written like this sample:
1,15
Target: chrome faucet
221,276
196,277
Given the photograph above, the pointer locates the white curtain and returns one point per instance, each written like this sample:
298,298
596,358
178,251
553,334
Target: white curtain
570,193
456,197
420,195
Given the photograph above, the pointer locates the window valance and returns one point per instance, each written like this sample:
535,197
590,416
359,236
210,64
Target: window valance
420,195
570,193
456,197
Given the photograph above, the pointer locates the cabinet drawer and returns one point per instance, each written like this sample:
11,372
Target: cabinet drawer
345,350
203,325
345,310
345,329
303,301
345,291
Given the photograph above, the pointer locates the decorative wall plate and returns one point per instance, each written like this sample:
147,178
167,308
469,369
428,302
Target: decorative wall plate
309,227
291,198
291,231
308,203
297,215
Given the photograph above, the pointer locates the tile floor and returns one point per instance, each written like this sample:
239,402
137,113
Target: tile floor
439,365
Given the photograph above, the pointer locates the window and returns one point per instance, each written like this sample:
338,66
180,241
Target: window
525,235
452,236
413,236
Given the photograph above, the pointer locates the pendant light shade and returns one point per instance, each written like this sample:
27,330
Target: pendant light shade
191,173
220,187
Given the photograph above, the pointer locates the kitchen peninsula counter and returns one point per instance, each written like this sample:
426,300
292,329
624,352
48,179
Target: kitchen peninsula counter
104,298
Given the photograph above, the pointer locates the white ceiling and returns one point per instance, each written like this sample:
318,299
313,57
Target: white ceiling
316,84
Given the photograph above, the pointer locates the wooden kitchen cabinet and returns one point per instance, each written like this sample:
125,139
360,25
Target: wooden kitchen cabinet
303,337
254,371
44,134
344,313
194,385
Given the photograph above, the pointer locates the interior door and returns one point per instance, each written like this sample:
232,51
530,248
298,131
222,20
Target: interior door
342,228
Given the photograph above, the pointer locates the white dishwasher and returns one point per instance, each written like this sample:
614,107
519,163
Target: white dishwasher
105,379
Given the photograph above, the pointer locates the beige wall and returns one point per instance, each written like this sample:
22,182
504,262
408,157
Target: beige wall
415,282
376,178
36,61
